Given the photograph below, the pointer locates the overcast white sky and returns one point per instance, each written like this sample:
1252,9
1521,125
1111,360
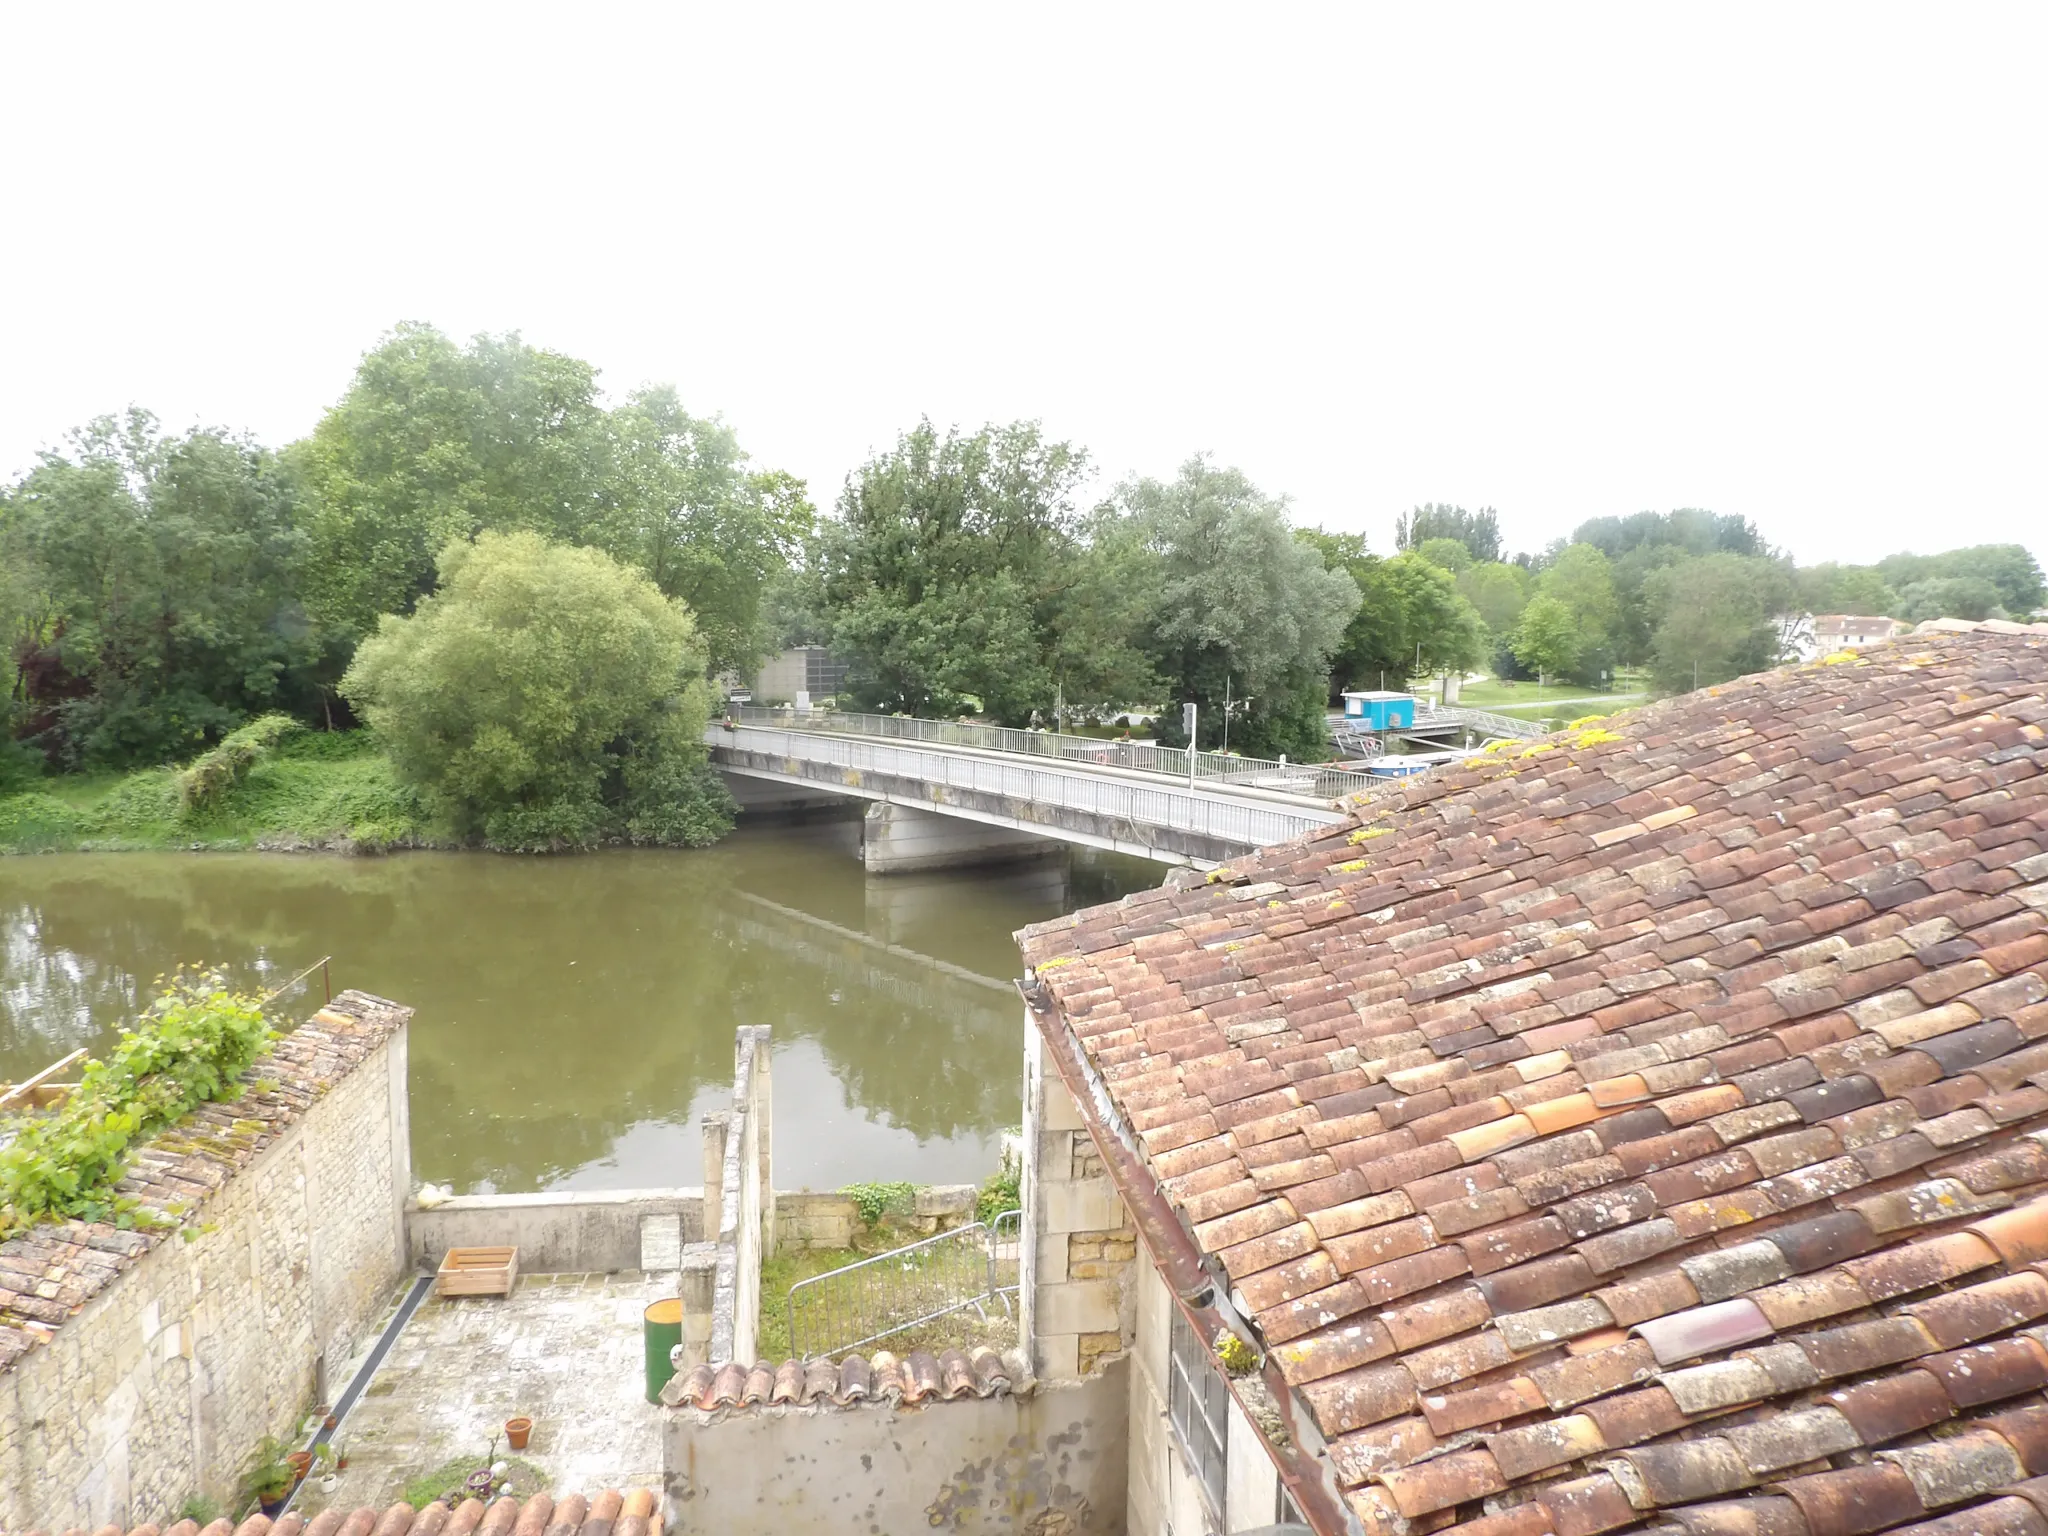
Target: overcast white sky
1783,261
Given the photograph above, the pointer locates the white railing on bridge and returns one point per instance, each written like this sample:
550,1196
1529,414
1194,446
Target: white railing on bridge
1247,823
1484,721
1308,781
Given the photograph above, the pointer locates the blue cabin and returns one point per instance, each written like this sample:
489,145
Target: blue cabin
1377,710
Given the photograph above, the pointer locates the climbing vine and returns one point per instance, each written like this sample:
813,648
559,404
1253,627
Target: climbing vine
189,1048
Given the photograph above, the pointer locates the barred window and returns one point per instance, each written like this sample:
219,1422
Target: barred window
1198,1404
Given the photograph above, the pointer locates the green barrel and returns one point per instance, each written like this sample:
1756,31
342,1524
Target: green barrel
662,1327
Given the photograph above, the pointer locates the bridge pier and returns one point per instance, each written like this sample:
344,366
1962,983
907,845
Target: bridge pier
896,839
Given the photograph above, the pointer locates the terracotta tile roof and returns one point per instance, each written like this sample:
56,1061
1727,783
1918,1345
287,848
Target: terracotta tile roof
1644,1125
636,1512
49,1273
915,1379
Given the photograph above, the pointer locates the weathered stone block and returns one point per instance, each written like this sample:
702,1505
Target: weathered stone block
1077,1306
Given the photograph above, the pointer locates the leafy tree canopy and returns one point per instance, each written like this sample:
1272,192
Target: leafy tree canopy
1242,606
2007,567
150,595
1716,620
1548,638
1948,597
951,566
1689,529
1478,531
546,697
1498,592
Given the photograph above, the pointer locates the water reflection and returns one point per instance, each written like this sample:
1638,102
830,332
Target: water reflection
575,1016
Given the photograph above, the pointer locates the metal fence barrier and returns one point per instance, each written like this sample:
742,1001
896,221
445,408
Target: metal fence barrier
1307,781
969,1268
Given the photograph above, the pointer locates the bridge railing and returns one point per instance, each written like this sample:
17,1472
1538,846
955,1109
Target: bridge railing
1141,802
1484,721
1309,781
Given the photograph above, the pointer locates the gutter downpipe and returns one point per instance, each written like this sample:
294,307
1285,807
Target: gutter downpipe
1173,1252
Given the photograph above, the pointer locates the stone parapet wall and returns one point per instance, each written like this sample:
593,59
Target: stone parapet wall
1044,1459
169,1355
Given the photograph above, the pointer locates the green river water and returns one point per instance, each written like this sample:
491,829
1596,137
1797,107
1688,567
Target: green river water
575,1015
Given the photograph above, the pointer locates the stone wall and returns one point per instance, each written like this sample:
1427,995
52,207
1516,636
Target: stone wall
1050,1462
158,1385
1080,1246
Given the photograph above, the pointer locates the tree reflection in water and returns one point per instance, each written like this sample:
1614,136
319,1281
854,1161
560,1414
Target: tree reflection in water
574,1015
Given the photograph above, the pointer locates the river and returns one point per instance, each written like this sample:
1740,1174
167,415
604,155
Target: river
575,1015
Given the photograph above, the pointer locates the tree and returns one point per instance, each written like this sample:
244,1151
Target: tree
1446,554
435,442
1498,592
680,503
1548,637
151,594
1831,588
1478,531
2007,567
545,697
1949,597
1582,580
1716,620
1243,607
1689,529
950,567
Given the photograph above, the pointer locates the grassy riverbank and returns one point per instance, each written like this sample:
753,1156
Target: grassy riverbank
311,790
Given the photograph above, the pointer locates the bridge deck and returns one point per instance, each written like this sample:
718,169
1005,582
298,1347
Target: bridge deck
1100,805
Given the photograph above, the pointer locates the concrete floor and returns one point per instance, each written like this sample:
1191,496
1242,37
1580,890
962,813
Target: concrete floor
564,1349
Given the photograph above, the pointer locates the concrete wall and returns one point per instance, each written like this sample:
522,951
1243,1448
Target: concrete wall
1080,1247
896,839
1050,1463
598,1231
770,797
161,1386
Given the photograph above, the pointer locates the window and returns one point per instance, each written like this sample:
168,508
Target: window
1198,1404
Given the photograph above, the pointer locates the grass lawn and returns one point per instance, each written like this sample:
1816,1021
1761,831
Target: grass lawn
1492,693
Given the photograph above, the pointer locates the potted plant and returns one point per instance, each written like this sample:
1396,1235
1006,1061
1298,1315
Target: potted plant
270,1478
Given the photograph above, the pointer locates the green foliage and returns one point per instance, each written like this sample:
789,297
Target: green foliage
452,1476
1548,638
2010,569
545,697
201,1510
268,1476
1497,592
1412,620
680,503
1446,554
952,568
874,1201
1689,531
1478,531
314,789
206,782
1242,607
21,767
1235,1356
1716,619
188,1049
1001,1191
1948,597
151,599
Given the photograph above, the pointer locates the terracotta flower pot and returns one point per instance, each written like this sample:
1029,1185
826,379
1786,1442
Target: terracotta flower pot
301,1462
516,1431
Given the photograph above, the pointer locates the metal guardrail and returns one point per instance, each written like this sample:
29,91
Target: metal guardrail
971,1267
1485,721
1307,781
1247,823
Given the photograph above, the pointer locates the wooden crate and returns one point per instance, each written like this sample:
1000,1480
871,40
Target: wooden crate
477,1272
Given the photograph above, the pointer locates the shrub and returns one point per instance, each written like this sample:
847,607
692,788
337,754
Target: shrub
190,1048
211,775
545,697
36,823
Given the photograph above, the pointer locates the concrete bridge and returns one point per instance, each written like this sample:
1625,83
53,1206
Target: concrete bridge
964,798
